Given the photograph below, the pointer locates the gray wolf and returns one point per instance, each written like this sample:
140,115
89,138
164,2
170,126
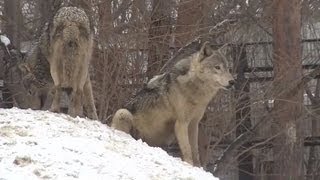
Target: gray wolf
172,104
13,93
35,72
60,61
70,50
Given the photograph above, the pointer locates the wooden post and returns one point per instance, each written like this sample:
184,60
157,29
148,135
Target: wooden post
287,111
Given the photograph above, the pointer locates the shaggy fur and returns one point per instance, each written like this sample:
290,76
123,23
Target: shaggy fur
13,82
70,52
172,104
36,77
60,61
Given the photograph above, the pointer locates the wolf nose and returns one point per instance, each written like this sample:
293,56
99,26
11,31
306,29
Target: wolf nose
231,82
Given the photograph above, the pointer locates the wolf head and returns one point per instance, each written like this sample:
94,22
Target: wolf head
211,66
71,25
30,82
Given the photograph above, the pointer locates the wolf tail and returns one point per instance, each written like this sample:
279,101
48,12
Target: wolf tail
122,120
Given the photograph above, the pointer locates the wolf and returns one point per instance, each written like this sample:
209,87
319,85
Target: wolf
171,105
35,72
60,61
13,94
70,50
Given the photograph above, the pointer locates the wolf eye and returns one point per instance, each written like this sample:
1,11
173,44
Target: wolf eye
217,67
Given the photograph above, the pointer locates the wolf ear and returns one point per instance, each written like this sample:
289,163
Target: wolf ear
205,50
222,48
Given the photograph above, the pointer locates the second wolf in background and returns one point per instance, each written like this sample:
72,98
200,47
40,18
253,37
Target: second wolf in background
172,104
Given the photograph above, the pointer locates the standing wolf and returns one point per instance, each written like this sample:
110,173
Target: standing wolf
70,52
172,104
68,63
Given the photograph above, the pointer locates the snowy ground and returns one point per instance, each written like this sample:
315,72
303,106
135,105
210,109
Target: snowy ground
44,145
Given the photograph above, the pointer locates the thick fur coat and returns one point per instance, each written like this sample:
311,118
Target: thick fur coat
172,104
60,61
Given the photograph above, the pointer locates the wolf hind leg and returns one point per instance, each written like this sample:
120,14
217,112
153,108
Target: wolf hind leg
122,121
181,132
75,104
55,106
89,100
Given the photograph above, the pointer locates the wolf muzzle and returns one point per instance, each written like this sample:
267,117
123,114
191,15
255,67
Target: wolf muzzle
231,84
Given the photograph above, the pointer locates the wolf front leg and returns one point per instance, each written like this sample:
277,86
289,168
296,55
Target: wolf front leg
194,135
89,100
181,132
75,104
47,98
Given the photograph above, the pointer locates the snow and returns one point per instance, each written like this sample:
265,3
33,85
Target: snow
5,40
45,145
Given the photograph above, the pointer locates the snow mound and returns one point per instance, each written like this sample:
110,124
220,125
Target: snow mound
45,145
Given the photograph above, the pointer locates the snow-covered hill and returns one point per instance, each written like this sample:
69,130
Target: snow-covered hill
44,145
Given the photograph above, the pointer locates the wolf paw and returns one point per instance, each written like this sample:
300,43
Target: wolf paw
54,109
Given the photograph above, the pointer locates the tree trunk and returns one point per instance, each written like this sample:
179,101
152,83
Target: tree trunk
159,36
243,109
12,11
288,146
190,16
102,74
45,11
